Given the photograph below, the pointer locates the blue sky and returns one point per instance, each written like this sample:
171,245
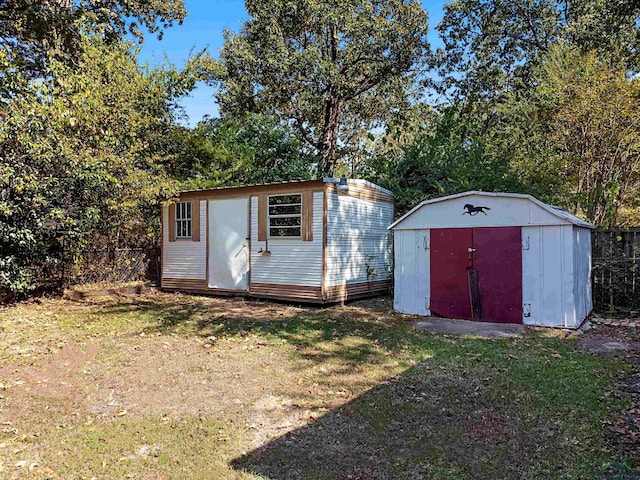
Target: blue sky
203,28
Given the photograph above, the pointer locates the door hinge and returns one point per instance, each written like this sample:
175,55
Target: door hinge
425,242
526,310
427,303
525,243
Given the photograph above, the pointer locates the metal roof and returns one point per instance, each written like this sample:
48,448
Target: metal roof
292,182
557,211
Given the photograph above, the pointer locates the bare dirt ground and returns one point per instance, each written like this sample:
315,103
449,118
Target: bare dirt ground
75,366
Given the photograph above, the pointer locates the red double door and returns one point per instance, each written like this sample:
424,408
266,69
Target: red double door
476,274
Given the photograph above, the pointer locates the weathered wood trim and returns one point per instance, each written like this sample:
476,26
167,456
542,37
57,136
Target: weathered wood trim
342,293
262,217
172,222
195,220
299,293
307,216
206,253
253,190
286,292
161,244
248,240
362,192
185,283
325,215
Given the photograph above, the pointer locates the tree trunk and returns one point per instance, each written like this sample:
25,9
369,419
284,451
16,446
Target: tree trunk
329,144
333,109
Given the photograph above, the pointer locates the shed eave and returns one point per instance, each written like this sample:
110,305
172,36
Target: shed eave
359,181
566,216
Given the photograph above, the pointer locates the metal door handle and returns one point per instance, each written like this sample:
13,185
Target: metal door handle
471,250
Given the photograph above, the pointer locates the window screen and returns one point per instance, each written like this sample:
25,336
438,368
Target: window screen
183,220
285,215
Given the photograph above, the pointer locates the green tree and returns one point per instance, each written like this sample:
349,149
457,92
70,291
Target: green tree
332,70
32,32
576,136
434,153
257,149
79,152
492,46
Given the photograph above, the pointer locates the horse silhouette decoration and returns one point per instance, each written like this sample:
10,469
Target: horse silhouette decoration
471,210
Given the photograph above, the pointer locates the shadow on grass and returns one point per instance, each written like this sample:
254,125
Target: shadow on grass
355,334
423,424
511,408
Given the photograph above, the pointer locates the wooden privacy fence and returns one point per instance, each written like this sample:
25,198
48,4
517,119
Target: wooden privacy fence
616,270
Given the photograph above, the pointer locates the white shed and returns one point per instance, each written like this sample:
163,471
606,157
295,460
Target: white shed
500,257
315,241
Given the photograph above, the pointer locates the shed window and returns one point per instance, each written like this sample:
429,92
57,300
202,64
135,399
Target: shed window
285,215
183,220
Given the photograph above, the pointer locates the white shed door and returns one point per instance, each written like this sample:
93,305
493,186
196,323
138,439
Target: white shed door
228,244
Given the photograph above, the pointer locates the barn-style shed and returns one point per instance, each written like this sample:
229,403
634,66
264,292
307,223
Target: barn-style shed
318,241
496,257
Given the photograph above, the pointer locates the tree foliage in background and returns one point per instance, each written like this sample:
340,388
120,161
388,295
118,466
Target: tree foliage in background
492,46
538,96
256,149
78,154
436,153
32,32
332,70
81,128
576,136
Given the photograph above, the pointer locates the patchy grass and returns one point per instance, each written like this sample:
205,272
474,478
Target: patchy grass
175,386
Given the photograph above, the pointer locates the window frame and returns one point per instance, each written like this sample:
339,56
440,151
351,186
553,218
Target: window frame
187,220
291,215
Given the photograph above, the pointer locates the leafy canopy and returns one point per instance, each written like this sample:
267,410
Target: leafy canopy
79,153
432,153
256,149
33,31
576,136
332,70
492,46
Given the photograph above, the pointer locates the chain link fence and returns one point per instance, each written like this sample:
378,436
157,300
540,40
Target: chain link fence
118,265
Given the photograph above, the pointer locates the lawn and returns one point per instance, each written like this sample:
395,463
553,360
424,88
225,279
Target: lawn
176,386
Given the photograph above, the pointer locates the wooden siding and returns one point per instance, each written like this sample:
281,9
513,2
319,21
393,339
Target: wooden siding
362,191
358,242
184,284
286,292
292,261
184,259
341,293
254,190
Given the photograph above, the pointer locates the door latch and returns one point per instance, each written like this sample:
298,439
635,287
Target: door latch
471,250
